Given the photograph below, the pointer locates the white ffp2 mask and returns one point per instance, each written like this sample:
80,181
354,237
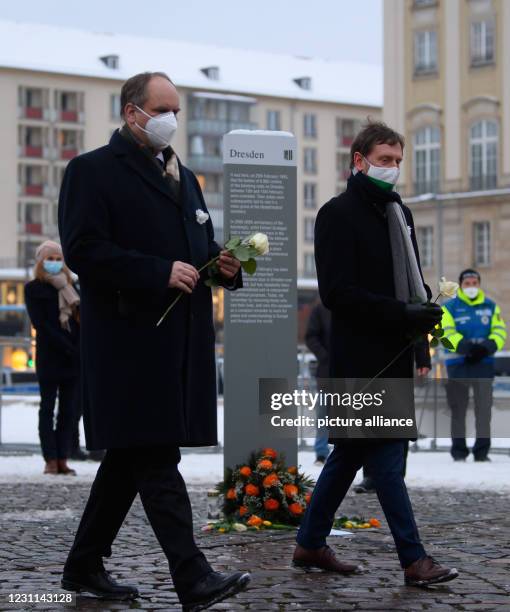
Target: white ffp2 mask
159,129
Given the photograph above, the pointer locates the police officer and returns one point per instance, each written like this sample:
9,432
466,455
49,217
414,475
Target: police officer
473,324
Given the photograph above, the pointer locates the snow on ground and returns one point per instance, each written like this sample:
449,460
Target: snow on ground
425,469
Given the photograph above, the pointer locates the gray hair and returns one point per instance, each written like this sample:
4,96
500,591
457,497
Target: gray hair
134,89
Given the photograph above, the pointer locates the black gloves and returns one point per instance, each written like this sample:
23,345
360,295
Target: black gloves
423,317
476,351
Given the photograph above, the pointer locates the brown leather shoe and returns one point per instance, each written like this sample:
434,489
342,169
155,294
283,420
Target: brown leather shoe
51,467
427,571
323,558
64,469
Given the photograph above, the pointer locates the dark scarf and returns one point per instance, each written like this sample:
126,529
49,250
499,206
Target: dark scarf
371,193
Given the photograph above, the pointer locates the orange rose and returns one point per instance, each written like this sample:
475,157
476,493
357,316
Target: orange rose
265,464
254,521
243,510
296,509
374,522
290,490
271,504
231,494
270,480
251,489
292,469
308,497
269,452
245,471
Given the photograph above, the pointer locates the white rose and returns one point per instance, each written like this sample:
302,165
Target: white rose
239,527
260,243
201,216
448,288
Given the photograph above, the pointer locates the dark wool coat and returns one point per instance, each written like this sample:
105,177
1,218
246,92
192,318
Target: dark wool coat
57,355
355,276
121,228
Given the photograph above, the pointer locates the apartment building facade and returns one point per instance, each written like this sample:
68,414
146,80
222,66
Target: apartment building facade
447,89
58,104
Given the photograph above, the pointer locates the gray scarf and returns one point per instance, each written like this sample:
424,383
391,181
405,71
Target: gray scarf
406,273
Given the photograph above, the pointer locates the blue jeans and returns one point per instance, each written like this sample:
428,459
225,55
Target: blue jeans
384,459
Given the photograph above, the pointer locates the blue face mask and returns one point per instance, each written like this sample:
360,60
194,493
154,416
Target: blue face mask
53,267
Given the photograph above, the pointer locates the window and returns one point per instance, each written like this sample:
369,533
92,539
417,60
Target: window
343,167
346,130
309,265
427,160
110,61
420,3
425,52
309,229
482,243
273,120
482,42
484,155
310,125
115,107
310,160
425,239
310,195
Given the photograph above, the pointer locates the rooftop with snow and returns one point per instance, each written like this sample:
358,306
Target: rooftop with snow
69,51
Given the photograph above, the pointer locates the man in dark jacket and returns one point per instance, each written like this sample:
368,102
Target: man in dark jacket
317,341
369,277
135,228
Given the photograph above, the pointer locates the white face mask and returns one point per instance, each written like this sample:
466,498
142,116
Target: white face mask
471,292
386,178
159,129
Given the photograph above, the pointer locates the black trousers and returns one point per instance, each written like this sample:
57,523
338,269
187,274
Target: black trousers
152,473
56,439
457,393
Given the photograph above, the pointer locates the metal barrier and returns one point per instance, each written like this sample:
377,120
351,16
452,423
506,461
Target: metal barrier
9,341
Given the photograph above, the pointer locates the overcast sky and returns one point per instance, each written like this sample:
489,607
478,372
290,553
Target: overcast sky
332,29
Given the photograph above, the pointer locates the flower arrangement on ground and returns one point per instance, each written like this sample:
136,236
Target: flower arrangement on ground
264,492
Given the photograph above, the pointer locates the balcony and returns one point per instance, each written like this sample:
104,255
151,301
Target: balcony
32,190
33,151
69,116
205,163
68,153
217,127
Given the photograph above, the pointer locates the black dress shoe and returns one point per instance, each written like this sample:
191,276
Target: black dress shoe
214,587
482,459
99,583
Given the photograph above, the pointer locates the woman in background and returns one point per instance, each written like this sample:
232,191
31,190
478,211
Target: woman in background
53,306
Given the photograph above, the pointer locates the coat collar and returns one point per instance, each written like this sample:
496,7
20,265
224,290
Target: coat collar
141,163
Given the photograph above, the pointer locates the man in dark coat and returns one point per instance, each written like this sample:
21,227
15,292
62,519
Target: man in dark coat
135,228
359,278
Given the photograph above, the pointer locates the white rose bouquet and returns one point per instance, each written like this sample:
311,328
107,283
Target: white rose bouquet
245,251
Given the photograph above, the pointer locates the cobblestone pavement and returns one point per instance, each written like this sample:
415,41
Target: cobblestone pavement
469,530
